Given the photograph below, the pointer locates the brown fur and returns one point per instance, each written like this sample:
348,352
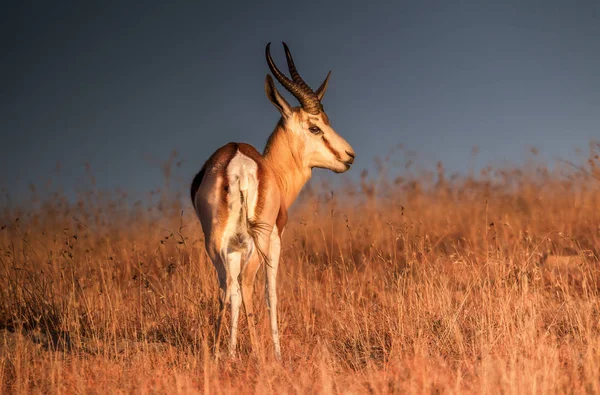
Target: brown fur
283,154
197,181
217,163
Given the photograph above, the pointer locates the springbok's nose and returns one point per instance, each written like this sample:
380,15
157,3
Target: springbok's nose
351,155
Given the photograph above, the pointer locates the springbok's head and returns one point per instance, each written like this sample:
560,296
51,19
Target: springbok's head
313,136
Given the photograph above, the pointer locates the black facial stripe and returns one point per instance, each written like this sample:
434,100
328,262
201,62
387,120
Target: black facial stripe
330,148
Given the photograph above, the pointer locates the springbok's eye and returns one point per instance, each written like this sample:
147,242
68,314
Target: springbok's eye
315,130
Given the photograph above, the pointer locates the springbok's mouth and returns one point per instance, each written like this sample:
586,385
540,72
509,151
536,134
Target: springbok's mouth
351,160
339,169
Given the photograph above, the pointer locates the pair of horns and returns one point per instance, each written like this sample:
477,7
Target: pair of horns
310,100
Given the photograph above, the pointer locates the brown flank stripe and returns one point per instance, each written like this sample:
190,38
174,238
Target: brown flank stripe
216,163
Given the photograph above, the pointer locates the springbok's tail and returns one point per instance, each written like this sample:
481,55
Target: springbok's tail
247,230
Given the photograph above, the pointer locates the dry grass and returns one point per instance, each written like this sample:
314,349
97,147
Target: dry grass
420,284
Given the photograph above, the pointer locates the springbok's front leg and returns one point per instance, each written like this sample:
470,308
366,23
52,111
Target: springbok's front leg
271,288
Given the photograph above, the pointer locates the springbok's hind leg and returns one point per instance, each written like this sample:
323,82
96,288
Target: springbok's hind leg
223,300
233,265
248,277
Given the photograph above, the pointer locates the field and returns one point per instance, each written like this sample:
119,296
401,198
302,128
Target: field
420,283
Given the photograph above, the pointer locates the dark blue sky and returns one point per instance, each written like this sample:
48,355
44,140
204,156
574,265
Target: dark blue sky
117,83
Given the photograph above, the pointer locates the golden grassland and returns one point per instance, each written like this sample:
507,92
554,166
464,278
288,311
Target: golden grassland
487,283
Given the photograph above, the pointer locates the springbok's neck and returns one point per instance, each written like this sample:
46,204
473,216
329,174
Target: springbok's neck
282,156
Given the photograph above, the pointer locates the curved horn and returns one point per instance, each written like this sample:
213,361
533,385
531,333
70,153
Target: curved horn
307,98
321,91
293,72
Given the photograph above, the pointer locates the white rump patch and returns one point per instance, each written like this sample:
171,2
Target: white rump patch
242,176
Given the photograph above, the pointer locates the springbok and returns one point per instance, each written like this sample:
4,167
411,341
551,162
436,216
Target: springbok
242,197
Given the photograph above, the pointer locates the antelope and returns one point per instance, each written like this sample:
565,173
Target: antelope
242,197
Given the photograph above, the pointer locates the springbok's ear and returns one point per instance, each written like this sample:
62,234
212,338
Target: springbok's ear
321,91
275,98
